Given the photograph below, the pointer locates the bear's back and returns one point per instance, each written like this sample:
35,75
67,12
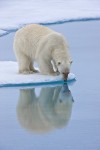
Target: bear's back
33,31
29,36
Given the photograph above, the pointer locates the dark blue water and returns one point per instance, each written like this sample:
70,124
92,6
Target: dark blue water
56,117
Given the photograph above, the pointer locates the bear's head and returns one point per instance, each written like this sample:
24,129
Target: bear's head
64,68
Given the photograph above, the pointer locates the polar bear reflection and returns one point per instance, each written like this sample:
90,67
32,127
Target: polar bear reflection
50,110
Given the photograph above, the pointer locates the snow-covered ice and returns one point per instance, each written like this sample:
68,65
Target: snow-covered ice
16,13
2,32
10,76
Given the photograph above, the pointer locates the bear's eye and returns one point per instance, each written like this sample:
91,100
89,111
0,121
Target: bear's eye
71,62
59,63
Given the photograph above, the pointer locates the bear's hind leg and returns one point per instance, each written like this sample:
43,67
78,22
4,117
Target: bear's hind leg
24,63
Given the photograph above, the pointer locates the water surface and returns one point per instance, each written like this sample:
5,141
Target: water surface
56,117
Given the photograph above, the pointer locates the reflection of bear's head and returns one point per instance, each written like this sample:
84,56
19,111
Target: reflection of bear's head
52,109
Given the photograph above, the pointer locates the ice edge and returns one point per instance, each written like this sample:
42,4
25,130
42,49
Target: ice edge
51,23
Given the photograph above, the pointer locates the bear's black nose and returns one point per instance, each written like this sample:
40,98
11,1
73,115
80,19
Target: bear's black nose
65,75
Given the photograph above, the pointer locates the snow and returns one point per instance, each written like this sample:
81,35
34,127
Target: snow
16,13
2,32
9,76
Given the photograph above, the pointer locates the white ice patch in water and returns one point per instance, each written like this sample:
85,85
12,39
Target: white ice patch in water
16,13
9,75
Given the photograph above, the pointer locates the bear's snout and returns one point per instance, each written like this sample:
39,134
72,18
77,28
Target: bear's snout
65,75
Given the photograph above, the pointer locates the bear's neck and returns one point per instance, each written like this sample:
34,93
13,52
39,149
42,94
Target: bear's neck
58,55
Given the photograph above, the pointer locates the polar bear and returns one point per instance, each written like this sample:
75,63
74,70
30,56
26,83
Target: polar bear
41,44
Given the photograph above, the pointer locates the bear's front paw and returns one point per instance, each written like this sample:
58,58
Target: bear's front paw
36,71
55,74
58,73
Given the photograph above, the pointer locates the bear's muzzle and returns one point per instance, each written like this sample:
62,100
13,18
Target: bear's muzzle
65,75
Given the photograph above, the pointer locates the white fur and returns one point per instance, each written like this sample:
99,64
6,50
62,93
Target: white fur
43,45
